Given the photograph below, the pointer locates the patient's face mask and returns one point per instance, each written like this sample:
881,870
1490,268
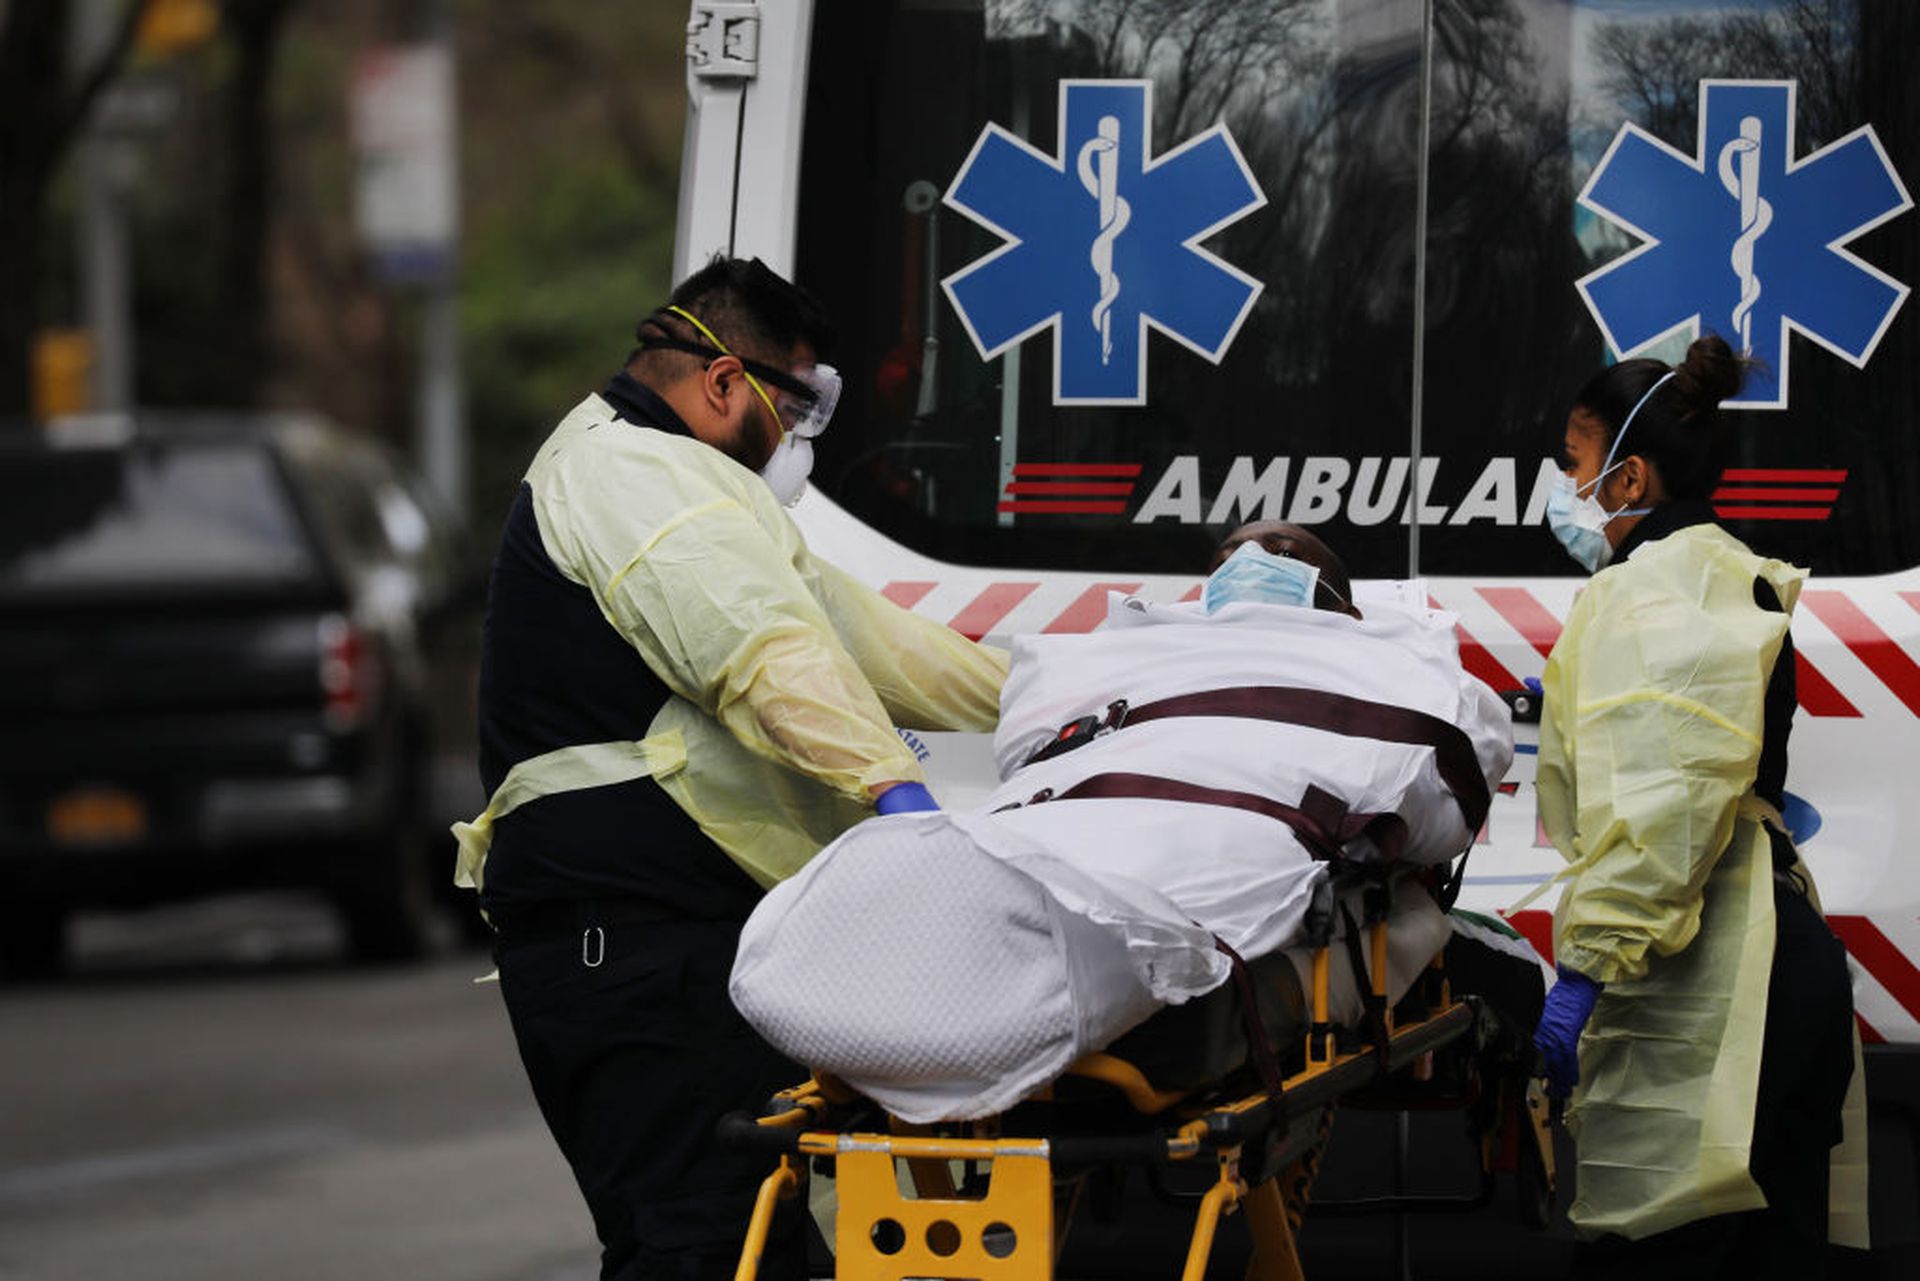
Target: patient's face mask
1254,574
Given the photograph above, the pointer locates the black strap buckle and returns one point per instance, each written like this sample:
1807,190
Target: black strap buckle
1081,731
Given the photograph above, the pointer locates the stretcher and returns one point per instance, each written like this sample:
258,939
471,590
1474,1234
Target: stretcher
1231,1091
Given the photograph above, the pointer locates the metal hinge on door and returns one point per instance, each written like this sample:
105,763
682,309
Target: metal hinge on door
723,40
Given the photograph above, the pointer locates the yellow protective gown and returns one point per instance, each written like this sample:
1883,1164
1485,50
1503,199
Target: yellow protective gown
1649,743
788,675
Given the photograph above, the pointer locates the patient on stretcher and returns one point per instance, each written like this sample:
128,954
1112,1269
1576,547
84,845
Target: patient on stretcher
1181,785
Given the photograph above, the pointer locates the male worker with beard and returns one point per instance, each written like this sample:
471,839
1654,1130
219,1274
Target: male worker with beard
679,704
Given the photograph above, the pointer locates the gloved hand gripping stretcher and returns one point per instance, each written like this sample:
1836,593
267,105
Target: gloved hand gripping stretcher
1235,817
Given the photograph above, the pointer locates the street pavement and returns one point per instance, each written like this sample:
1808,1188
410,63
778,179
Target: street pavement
214,1095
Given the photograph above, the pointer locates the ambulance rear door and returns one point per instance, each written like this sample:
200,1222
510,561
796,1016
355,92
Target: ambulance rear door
1114,277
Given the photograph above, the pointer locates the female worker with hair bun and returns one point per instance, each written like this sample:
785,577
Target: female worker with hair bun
1719,1052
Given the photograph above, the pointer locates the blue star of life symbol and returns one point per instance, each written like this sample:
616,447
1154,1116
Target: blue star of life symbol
1103,242
1743,239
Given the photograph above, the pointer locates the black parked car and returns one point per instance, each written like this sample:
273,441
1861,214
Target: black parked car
215,673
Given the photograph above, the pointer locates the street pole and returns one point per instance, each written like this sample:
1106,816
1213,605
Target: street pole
442,407
105,267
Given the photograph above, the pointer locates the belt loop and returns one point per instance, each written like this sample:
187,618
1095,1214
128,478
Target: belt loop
593,947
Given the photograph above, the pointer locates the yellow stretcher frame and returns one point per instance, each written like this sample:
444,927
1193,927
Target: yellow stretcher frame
1014,1231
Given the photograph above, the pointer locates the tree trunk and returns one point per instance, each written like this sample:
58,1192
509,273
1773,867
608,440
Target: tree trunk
33,48
255,27
41,112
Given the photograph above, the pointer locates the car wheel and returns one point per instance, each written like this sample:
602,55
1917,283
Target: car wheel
33,940
388,909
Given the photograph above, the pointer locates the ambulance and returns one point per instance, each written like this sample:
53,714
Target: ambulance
1114,276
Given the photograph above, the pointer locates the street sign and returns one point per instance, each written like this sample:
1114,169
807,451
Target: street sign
405,139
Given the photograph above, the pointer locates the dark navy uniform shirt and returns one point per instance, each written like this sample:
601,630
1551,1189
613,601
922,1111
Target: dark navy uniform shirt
554,673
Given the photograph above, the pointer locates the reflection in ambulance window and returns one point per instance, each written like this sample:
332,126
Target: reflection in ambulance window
1309,413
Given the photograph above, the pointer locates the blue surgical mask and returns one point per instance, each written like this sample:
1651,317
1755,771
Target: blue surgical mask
1254,574
1580,523
1574,513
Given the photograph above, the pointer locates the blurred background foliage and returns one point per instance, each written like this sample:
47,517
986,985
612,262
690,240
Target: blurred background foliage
250,287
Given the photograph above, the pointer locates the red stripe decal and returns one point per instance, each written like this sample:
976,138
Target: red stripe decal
1478,659
1878,955
1069,487
1869,1034
1076,469
1818,694
1087,612
1773,513
1784,476
1537,928
1871,645
1193,593
907,595
1046,507
989,607
1912,598
1528,616
1747,494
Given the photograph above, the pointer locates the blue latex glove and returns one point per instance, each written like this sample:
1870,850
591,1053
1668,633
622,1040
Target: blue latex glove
904,798
1569,1006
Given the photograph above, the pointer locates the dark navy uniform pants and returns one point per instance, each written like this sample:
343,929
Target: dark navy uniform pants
633,1061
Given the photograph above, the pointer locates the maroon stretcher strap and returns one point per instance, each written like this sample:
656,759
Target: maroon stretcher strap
1453,751
1322,821
1260,1047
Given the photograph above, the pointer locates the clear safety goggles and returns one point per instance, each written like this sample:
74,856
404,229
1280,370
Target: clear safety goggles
807,417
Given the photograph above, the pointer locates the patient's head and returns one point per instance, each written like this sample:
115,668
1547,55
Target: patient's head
1283,538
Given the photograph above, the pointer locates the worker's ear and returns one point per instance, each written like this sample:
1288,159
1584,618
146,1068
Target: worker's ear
1634,480
720,382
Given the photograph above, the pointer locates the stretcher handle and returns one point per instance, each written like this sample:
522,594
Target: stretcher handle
740,1132
1102,1149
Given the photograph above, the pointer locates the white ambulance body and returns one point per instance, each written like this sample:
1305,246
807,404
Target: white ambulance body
1115,277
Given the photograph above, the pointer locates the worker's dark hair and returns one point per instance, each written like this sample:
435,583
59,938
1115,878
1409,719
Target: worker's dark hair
1679,430
758,314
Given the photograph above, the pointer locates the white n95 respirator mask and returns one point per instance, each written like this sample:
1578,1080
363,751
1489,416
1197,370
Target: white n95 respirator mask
787,470
1254,575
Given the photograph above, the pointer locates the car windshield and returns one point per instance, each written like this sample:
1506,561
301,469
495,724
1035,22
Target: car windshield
154,515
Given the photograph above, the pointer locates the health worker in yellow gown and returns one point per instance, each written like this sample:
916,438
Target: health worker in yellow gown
1702,1021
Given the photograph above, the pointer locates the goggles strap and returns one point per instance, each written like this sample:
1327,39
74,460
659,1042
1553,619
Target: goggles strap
766,373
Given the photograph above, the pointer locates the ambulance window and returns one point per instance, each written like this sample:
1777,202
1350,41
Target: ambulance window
1309,413
971,459
1824,475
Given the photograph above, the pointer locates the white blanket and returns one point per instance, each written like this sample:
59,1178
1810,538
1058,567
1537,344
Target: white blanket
948,964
